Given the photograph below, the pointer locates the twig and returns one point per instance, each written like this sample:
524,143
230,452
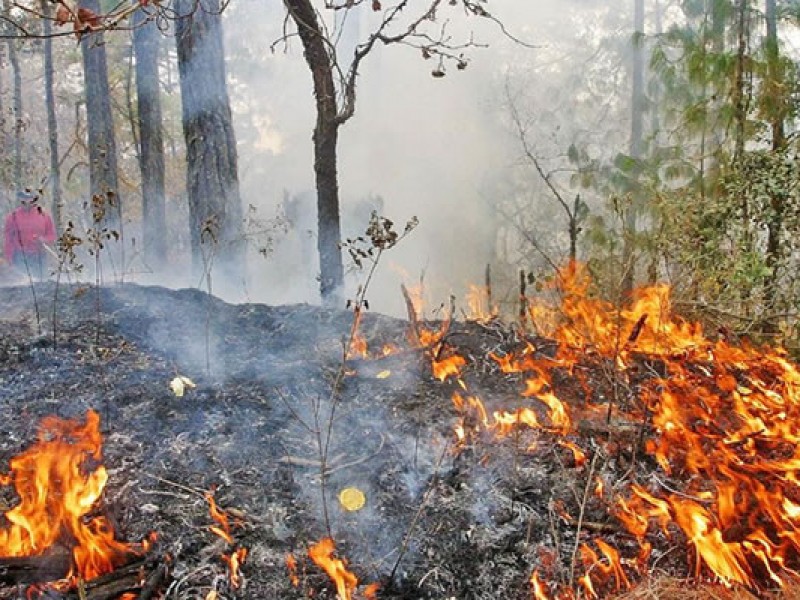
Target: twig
412,316
418,514
579,525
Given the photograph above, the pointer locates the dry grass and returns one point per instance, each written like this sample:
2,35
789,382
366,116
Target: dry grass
670,588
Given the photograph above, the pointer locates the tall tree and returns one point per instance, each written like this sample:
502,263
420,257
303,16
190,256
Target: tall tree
103,182
212,180
326,134
335,96
636,143
54,180
146,38
19,118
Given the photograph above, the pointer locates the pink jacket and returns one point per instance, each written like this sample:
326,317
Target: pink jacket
26,229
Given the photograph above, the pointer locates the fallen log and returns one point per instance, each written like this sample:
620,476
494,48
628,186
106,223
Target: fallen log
142,578
16,570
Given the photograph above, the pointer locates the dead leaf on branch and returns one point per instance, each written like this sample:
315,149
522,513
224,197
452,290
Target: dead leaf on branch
63,15
376,5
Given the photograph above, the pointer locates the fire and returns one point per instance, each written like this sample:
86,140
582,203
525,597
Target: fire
322,554
235,559
59,481
477,298
346,582
724,419
539,587
291,565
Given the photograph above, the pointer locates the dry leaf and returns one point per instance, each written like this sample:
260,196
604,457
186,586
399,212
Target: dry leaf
179,385
63,15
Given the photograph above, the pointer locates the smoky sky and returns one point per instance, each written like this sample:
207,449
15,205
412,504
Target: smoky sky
433,148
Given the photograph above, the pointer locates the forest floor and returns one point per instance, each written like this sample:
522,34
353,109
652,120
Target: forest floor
442,518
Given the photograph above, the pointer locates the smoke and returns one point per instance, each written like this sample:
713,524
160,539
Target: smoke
429,147
437,148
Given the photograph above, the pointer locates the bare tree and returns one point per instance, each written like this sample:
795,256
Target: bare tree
405,22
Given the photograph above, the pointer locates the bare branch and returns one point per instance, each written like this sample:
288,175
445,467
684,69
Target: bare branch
531,156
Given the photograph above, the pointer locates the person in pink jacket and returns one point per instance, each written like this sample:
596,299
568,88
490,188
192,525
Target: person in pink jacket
27,229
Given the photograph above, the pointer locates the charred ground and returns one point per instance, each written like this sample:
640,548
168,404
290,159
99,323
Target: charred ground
471,523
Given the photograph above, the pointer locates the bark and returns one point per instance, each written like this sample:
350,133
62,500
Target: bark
99,123
775,76
325,139
636,140
775,223
739,101
146,38
52,124
19,122
212,181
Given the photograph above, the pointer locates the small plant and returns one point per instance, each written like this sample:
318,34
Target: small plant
67,263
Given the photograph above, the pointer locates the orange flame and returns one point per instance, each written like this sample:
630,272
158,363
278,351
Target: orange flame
235,559
726,420
322,554
478,309
538,587
59,481
291,565
223,530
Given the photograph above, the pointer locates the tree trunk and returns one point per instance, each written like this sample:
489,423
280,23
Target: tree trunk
100,125
212,180
325,139
19,122
777,115
637,133
739,101
775,75
146,38
54,180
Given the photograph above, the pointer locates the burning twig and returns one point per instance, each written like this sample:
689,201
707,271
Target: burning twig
413,320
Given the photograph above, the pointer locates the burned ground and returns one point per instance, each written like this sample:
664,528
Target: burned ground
441,520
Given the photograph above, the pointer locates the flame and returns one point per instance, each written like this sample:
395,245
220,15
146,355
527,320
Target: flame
235,559
322,554
538,587
59,481
371,591
725,422
357,344
447,367
223,530
291,565
478,309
